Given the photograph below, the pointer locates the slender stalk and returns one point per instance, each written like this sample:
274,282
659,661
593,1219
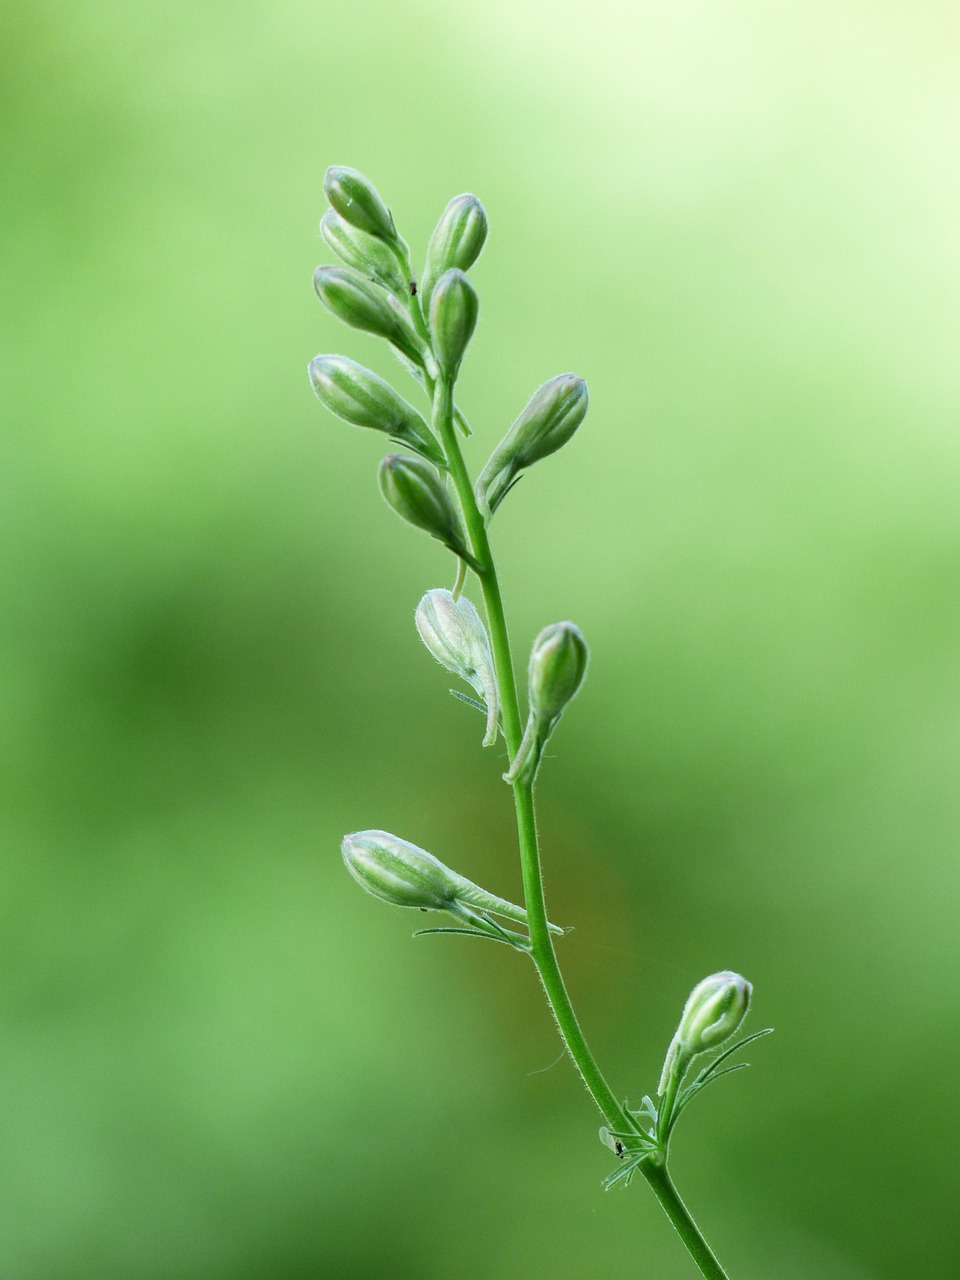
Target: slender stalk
541,943
678,1213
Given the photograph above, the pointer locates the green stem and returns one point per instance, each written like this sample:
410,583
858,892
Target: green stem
678,1213
541,942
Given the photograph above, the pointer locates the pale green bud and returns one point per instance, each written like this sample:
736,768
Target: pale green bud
399,872
714,1010
357,301
456,242
416,493
550,418
360,397
454,307
558,664
454,633
363,252
357,200
405,875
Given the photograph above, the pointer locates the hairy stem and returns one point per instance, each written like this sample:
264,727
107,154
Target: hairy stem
541,943
678,1213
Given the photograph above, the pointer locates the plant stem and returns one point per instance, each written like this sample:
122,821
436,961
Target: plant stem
541,942
662,1185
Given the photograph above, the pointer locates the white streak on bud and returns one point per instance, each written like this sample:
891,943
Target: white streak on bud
714,1010
454,633
399,872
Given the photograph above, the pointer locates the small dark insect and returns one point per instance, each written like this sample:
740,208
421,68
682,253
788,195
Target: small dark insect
413,288
618,1147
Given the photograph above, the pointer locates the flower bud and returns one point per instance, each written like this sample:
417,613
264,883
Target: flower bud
558,663
545,425
715,1008
454,633
453,317
357,301
405,875
357,200
416,493
399,872
456,242
360,397
713,1012
363,252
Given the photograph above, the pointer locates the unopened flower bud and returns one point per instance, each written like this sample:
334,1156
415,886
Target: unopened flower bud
399,872
360,397
558,663
456,242
363,252
415,492
357,200
357,301
546,424
454,633
714,1010
454,307
405,875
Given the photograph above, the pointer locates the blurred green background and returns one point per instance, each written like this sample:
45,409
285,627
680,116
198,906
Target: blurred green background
739,222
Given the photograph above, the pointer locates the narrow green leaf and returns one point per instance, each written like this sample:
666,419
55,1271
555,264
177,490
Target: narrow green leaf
469,933
692,1090
722,1057
471,702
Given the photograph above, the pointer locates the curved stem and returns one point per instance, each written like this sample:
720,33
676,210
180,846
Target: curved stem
541,942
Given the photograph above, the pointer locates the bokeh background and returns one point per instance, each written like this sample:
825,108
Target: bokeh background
218,1059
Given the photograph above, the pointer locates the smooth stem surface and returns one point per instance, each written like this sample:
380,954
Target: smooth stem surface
541,942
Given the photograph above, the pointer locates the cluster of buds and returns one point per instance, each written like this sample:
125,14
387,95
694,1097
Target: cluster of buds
374,291
430,330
